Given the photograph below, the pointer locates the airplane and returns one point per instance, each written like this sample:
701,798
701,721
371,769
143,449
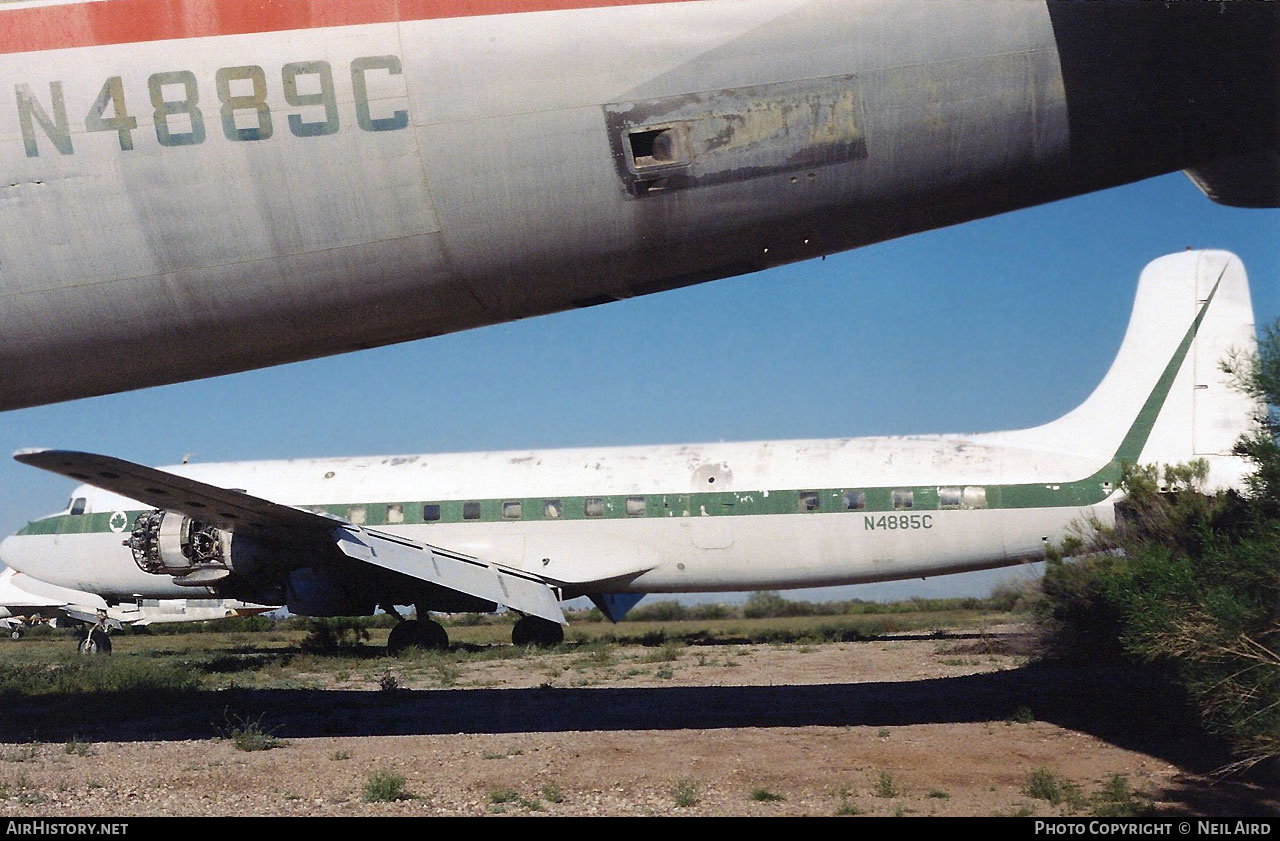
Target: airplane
525,530
195,187
25,601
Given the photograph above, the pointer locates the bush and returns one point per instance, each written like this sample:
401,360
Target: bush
1043,784
767,604
97,674
685,792
384,787
663,611
248,734
329,635
710,611
1190,583
1195,593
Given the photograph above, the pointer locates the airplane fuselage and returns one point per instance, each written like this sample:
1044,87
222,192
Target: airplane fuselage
652,519
191,188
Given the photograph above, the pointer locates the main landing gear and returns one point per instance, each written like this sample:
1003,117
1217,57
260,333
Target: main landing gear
534,630
415,633
427,634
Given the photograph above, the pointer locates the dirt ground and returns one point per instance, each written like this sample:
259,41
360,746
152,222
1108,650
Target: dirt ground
906,726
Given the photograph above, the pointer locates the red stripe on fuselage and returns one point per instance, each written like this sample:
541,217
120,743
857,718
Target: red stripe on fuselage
136,21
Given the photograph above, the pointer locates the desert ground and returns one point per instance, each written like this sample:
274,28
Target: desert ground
951,722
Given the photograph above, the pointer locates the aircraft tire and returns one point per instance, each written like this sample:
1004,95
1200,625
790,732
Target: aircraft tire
417,633
95,642
534,630
15,634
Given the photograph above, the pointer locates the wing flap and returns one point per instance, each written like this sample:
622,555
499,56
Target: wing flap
518,590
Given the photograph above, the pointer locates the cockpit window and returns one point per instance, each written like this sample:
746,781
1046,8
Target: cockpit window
78,505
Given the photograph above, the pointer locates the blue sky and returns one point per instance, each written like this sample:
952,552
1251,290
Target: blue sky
994,324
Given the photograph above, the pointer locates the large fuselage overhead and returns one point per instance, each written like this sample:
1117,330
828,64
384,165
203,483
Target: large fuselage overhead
190,188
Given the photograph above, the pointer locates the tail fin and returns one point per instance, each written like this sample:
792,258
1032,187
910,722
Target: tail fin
1166,399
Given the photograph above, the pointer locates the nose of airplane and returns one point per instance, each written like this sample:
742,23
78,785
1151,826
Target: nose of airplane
11,557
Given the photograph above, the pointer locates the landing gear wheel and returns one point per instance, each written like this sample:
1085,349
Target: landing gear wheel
534,630
96,642
417,633
15,634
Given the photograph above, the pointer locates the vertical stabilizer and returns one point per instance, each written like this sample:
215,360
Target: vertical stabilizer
1166,399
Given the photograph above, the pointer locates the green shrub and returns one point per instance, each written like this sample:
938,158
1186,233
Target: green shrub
685,792
666,610
99,674
384,787
75,747
1043,784
710,611
328,635
884,785
552,794
503,795
1189,583
248,734
1116,799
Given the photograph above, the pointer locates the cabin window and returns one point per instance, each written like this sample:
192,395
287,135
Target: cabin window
431,512
948,497
902,499
471,511
593,506
357,514
809,501
854,500
78,505
512,510
552,509
635,506
395,514
975,497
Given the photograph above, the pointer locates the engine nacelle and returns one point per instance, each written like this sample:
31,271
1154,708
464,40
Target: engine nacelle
168,543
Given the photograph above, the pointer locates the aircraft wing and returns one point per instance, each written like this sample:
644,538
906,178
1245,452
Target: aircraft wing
14,596
236,511
227,509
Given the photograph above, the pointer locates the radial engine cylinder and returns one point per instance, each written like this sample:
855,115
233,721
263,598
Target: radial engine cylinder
167,543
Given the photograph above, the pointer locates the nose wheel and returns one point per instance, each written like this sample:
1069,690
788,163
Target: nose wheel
534,630
95,642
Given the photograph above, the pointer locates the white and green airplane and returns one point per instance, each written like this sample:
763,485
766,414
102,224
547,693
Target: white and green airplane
472,531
